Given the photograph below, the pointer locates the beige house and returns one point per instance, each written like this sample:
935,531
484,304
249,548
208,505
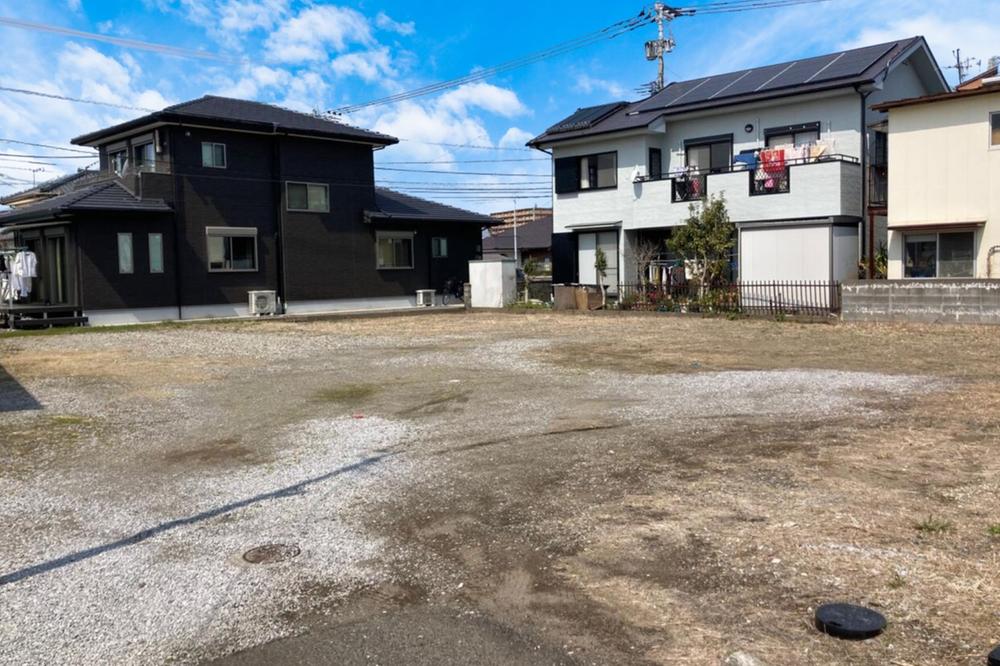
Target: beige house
944,183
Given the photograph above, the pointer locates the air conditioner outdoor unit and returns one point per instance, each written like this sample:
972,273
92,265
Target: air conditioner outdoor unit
263,303
425,297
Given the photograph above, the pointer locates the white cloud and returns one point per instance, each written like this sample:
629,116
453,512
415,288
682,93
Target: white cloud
243,16
976,37
515,137
74,5
385,22
590,85
485,96
367,65
315,31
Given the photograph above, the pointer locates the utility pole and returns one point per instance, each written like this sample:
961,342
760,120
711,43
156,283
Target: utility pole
963,66
658,48
516,262
33,172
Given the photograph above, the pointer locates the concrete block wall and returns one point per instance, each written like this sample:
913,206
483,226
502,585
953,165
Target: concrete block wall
923,301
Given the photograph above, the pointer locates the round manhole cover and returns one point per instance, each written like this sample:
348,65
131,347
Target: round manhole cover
994,658
850,622
271,553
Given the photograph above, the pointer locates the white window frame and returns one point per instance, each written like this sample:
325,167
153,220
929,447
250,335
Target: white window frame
989,131
131,254
437,243
225,155
407,235
288,201
232,232
149,243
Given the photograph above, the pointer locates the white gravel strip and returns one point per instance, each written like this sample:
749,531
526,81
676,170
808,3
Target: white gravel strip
187,585
781,393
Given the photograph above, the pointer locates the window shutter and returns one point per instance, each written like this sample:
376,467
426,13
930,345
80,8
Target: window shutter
567,174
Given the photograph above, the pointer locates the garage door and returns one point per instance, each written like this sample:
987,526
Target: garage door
785,254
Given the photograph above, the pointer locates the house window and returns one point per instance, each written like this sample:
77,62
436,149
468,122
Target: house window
213,155
792,135
311,197
655,163
587,172
944,255
231,249
145,157
155,253
709,155
118,160
126,263
995,129
439,248
394,250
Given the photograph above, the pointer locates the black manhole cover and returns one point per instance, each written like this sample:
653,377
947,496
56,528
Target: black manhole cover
850,622
271,553
994,658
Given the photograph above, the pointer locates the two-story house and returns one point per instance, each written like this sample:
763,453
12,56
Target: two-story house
944,183
787,145
207,200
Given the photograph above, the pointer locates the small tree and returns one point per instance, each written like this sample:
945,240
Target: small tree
705,241
644,253
601,267
530,268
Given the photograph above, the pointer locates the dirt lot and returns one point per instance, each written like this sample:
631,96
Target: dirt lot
497,489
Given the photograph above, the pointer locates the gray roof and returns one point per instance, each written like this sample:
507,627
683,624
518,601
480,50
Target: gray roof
229,112
834,70
59,185
392,205
532,235
109,195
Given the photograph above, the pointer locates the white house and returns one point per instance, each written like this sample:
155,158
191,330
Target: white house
788,146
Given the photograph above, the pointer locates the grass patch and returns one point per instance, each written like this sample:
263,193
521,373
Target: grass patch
932,525
994,530
122,328
350,394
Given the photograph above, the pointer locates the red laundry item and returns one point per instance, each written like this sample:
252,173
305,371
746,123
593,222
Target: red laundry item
773,161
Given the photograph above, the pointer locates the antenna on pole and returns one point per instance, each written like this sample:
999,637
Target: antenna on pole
963,66
658,48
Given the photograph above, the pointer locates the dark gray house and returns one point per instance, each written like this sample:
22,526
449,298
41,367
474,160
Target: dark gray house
203,202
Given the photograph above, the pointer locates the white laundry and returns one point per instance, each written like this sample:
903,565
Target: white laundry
22,270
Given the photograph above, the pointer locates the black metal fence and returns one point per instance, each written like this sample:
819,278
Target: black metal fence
809,298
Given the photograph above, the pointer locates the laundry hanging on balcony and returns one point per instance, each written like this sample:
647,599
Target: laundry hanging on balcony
772,167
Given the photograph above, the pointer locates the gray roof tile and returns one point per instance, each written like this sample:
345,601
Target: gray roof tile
396,205
109,195
227,111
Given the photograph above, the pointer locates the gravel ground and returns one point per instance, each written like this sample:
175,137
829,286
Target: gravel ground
493,474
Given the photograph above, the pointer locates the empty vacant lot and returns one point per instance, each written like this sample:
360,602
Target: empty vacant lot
475,488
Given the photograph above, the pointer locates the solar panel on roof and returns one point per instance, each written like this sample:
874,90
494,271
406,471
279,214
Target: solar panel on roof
855,62
585,118
755,79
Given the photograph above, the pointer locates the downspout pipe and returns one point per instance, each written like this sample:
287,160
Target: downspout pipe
867,221
279,220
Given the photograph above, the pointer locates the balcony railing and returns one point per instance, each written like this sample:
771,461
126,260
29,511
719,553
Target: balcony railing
693,185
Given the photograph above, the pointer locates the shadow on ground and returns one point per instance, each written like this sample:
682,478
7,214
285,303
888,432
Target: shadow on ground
13,396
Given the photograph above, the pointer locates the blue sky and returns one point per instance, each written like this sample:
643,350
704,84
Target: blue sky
319,55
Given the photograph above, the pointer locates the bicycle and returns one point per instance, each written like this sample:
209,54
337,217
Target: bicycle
453,292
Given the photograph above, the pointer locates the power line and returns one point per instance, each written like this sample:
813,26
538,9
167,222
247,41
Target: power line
164,49
461,173
13,161
39,93
45,145
51,157
492,161
609,32
67,98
